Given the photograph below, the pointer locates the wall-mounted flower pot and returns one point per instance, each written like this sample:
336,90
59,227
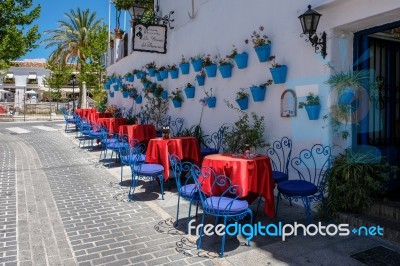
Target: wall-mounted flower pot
177,104
116,87
174,73
125,94
313,111
138,99
346,95
243,103
279,74
212,102
263,52
158,76
107,86
189,91
151,71
184,68
164,95
200,80
241,60
164,74
146,85
111,80
211,70
130,78
258,93
197,65
140,75
226,71
111,94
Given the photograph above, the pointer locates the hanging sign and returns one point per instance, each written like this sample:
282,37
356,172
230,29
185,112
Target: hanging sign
150,38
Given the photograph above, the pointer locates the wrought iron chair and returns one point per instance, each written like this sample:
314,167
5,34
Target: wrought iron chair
145,170
176,126
187,190
223,200
127,154
115,144
69,119
279,154
95,132
212,144
312,167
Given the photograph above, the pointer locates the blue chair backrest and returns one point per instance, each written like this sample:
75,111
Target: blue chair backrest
179,168
137,162
214,141
280,153
176,126
129,148
313,165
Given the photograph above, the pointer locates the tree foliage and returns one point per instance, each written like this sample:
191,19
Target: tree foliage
15,39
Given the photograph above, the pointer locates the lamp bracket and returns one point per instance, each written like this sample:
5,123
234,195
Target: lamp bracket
319,43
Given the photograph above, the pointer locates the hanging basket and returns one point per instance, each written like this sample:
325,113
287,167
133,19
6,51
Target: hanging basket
174,73
125,94
197,65
279,74
243,103
313,111
211,70
263,52
189,92
226,71
177,104
241,60
212,102
151,71
258,93
164,74
346,96
184,68
200,80
138,99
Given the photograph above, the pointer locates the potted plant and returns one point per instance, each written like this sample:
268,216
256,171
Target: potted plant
163,72
261,44
184,66
197,62
210,98
312,105
189,91
151,67
118,33
240,59
173,71
209,65
146,82
278,71
125,91
258,91
225,67
123,4
129,77
138,73
242,99
201,77
177,97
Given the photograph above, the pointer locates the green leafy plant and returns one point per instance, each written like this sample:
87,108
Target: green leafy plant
311,100
233,53
189,85
177,95
183,60
171,67
259,38
151,65
197,57
241,94
123,4
272,59
208,61
354,79
264,85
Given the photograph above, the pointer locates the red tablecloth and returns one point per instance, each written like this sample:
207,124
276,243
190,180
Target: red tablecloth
139,132
253,175
112,124
186,148
85,112
94,117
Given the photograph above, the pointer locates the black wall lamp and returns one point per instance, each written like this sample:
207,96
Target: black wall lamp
137,11
309,22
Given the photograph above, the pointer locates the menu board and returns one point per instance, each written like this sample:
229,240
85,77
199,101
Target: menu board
150,38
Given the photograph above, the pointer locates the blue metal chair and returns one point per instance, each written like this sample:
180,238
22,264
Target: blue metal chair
127,154
69,119
223,200
212,144
188,190
95,132
176,126
312,167
115,144
145,170
279,154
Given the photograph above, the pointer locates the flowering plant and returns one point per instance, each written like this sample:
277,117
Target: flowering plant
264,85
233,53
117,30
189,85
114,110
156,89
134,93
177,95
258,38
224,61
241,94
183,60
151,65
145,80
273,63
197,57
136,71
208,61
161,68
209,94
201,74
171,67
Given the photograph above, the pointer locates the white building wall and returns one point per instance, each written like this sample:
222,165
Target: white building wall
219,24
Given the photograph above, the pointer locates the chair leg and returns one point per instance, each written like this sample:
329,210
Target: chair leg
177,212
277,204
258,205
133,186
201,232
122,169
306,203
221,253
251,222
197,207
161,178
188,218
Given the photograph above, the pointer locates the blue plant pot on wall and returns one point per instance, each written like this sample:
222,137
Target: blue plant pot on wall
140,75
184,68
129,78
189,91
226,71
174,73
107,86
212,102
164,95
200,80
263,52
125,94
138,99
111,94
177,104
241,60
211,71
243,103
116,87
279,74
197,65
158,76
151,71
313,111
258,93
346,96
164,74
146,85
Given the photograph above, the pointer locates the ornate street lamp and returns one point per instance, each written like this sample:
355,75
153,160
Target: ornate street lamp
137,11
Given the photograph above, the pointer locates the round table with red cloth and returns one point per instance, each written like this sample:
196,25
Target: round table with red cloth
186,148
139,132
253,175
112,124
85,112
94,117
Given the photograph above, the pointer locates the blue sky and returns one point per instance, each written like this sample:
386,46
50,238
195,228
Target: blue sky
53,11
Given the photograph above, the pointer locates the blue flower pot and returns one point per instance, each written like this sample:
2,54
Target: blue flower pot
146,85
211,71
125,94
138,99
189,91
140,75
174,73
111,94
200,80
197,65
158,76
107,86
346,96
212,102
111,80
130,78
279,74
164,74
184,68
151,71
226,71
313,111
164,95
263,52
258,93
243,103
241,60
116,87
177,104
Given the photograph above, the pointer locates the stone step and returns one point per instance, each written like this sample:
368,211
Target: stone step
389,210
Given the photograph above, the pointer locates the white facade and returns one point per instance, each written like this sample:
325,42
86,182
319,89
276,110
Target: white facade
219,24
